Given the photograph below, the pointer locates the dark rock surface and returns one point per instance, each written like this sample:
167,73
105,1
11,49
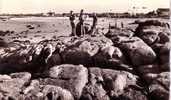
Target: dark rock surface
153,31
138,52
159,88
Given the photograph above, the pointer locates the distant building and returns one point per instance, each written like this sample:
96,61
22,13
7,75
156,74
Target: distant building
163,12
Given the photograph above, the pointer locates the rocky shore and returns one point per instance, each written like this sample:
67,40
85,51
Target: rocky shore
123,64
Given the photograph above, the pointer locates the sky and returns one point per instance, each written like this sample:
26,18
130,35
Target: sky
61,6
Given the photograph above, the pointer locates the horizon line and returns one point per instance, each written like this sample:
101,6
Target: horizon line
57,12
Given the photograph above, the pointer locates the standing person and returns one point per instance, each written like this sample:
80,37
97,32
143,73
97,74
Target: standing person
93,28
72,22
80,26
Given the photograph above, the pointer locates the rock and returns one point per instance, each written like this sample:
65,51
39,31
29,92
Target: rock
33,88
165,36
3,43
70,77
46,52
132,94
138,52
164,53
158,83
12,87
152,22
153,68
94,90
5,77
156,47
119,32
151,31
159,89
116,81
118,39
56,93
38,96
164,79
18,56
83,50
111,52
111,57
149,72
7,68
25,76
157,92
105,83
29,58
31,92
115,85
53,60
23,52
149,34
101,41
165,67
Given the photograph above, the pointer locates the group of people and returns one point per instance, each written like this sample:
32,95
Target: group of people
80,28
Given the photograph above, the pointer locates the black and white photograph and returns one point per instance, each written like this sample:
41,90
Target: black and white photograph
85,49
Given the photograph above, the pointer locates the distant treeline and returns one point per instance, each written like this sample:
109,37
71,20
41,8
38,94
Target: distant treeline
108,15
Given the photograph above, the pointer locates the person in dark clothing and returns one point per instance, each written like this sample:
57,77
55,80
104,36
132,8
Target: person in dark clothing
80,26
81,19
72,22
93,28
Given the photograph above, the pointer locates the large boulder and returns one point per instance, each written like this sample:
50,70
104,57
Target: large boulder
149,72
3,43
94,89
94,92
157,80
116,81
165,36
70,77
153,31
164,53
81,52
137,51
107,84
51,92
54,59
16,56
159,88
31,91
11,86
28,57
84,49
111,57
133,94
